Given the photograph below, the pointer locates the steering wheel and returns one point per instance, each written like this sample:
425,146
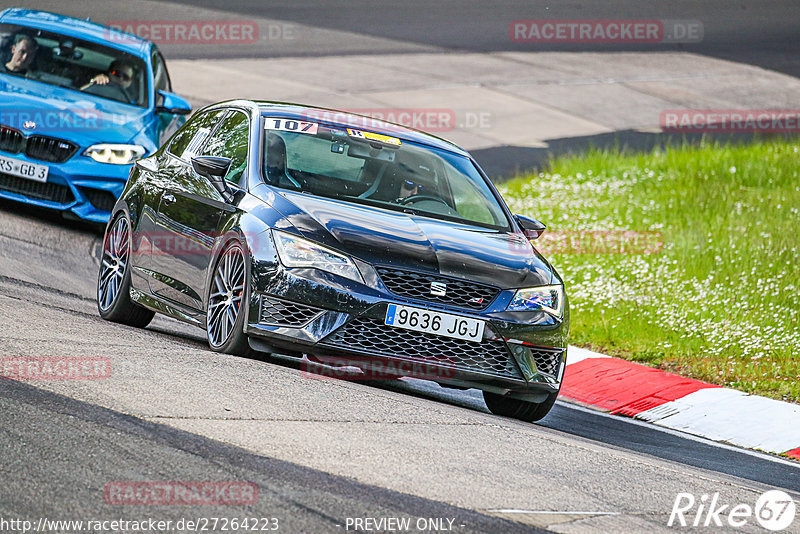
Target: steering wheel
109,90
418,198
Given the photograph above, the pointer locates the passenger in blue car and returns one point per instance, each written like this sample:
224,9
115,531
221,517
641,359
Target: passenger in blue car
23,52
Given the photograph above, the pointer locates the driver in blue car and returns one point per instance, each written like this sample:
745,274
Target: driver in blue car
119,74
23,52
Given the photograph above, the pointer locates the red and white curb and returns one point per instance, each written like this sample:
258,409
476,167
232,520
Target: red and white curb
630,389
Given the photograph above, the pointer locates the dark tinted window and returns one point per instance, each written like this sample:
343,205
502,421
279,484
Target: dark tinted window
194,133
376,169
230,140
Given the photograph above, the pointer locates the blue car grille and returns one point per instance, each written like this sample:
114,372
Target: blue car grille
41,147
11,140
371,336
49,149
53,192
418,285
100,199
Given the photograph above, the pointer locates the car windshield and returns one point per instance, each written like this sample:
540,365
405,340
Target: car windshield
369,168
73,64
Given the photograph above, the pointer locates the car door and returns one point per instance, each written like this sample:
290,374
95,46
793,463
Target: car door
186,220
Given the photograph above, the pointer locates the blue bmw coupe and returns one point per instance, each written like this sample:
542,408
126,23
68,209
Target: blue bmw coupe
79,104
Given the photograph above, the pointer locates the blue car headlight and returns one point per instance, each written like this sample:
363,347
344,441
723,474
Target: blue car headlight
549,299
295,251
115,154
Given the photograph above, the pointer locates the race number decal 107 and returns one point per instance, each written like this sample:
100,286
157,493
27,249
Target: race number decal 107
288,125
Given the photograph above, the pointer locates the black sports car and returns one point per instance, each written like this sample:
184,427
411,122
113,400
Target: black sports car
341,240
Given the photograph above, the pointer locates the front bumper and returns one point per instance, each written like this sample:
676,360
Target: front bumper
341,322
81,186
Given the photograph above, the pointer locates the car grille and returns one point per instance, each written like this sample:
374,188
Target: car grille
37,190
100,199
547,360
51,149
416,285
373,337
278,312
11,140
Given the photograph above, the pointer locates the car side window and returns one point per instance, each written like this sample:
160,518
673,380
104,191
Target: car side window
160,76
194,133
231,140
469,202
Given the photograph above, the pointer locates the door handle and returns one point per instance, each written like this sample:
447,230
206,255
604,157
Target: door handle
168,198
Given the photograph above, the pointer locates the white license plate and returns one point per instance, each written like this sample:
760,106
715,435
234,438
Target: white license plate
432,322
24,169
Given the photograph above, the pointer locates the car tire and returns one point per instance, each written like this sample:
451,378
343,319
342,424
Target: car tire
228,337
114,279
519,409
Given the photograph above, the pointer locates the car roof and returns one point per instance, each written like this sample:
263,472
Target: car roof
346,119
78,28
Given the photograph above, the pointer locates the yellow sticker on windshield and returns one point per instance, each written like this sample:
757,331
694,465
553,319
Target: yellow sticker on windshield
374,137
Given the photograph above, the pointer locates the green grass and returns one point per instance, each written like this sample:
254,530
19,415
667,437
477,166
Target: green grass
719,301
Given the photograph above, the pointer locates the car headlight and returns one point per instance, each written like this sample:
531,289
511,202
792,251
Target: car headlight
545,298
295,251
115,154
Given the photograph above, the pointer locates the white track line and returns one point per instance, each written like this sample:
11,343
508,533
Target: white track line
548,512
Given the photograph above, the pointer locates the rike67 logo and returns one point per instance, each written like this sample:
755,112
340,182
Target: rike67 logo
774,510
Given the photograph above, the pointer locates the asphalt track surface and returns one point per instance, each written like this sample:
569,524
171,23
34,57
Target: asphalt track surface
301,499
763,33
61,443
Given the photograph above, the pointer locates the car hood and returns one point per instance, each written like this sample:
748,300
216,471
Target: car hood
58,112
384,237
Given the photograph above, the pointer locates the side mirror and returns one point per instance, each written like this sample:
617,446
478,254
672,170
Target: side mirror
532,228
214,169
172,103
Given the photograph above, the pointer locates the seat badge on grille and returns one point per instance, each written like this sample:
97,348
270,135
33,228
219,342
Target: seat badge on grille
29,125
438,289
